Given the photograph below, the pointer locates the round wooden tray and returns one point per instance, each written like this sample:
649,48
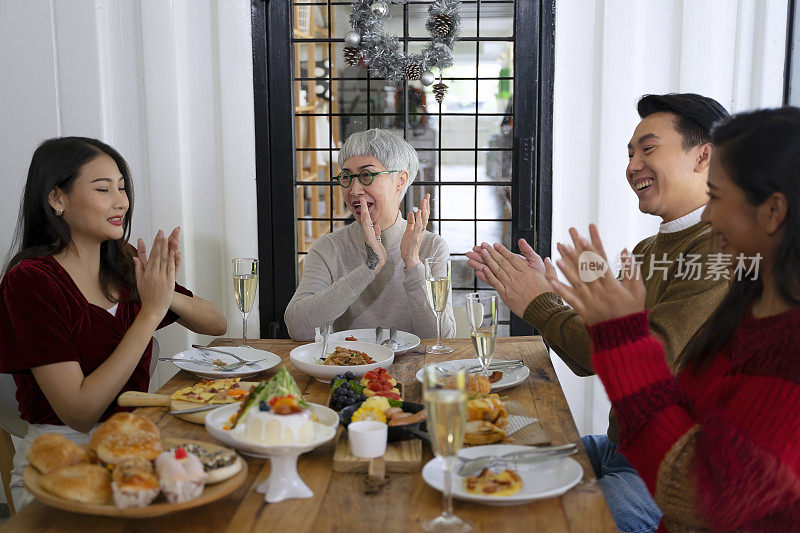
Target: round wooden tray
159,507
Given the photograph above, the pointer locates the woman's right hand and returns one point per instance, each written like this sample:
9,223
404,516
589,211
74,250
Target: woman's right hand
156,280
376,253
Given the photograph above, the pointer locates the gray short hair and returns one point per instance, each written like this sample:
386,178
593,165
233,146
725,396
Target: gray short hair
387,147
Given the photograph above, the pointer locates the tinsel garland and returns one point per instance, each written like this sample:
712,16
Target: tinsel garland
382,53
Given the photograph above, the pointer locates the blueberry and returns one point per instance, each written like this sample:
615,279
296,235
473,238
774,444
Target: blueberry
362,398
262,406
349,375
338,392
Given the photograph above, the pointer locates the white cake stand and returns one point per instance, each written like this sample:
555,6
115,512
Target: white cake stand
284,482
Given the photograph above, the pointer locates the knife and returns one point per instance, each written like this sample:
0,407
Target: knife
195,409
534,455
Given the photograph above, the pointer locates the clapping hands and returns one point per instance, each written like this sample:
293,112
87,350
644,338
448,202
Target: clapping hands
518,279
595,296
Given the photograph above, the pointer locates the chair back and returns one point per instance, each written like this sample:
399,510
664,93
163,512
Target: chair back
9,410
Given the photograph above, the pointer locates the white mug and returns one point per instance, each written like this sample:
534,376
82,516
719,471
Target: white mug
367,438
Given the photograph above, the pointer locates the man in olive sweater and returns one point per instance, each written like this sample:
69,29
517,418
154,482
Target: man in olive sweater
669,153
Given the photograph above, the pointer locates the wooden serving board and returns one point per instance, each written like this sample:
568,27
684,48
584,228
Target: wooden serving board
404,457
144,399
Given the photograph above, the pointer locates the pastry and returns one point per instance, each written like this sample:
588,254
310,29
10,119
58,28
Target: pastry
487,419
133,483
126,436
82,483
181,475
51,451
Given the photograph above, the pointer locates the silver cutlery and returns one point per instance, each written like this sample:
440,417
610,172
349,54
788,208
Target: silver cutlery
240,359
326,332
210,349
378,333
534,455
390,342
224,368
499,365
195,409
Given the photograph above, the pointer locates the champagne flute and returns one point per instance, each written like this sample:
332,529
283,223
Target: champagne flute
446,404
437,283
482,317
245,283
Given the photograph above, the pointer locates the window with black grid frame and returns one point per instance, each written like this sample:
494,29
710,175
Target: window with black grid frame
464,144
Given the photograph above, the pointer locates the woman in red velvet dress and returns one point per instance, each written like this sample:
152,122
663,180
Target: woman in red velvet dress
79,305
718,444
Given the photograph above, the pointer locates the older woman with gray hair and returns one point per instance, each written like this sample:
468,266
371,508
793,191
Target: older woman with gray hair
370,273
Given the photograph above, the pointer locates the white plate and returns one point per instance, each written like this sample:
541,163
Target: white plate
324,430
303,358
406,341
547,479
511,378
245,352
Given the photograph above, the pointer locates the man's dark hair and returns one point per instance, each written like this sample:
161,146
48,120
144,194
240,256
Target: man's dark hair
695,115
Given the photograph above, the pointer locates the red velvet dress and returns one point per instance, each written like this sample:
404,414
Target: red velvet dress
45,319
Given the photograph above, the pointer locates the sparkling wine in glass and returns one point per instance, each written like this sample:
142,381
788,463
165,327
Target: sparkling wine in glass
437,283
446,404
482,318
245,284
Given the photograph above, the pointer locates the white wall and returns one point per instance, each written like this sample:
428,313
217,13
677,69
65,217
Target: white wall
608,54
167,83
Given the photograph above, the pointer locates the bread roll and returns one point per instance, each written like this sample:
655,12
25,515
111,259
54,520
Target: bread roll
82,483
126,436
51,451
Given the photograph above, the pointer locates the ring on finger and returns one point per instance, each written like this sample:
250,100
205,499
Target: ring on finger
378,239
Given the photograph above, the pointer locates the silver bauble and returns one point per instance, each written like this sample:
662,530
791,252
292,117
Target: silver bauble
379,8
426,78
352,38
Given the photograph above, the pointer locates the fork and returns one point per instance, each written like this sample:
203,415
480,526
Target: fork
240,359
390,342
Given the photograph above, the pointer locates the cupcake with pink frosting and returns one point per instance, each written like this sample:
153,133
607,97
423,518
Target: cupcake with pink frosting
181,475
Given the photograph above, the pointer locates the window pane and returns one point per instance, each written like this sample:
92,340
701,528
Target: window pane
458,166
457,201
495,165
458,132
463,277
494,202
460,236
497,20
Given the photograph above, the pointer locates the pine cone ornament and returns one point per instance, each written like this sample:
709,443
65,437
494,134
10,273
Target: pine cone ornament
412,71
439,90
442,25
352,55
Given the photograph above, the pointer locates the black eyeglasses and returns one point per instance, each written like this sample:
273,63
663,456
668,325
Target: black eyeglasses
364,176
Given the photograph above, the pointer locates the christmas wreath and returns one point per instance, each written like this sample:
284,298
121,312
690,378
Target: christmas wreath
368,46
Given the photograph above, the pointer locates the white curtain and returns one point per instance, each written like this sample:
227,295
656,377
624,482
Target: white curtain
608,54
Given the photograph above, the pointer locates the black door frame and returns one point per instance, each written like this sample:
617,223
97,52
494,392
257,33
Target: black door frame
531,217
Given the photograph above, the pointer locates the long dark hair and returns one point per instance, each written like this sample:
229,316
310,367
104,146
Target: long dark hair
56,163
761,153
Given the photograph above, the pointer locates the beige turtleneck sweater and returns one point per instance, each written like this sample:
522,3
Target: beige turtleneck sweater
338,287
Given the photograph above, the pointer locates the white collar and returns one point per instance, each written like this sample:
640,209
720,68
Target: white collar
679,224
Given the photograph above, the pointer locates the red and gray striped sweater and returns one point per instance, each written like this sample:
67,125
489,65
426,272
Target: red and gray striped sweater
719,449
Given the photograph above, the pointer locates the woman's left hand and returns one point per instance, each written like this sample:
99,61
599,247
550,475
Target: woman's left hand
415,231
595,294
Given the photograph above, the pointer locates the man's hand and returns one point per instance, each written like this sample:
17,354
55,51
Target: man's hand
517,279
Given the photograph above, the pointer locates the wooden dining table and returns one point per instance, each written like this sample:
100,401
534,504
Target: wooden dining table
340,502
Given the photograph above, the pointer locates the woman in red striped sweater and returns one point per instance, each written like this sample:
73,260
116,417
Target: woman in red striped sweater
719,445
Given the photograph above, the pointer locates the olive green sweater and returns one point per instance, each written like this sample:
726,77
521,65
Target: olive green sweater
678,304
